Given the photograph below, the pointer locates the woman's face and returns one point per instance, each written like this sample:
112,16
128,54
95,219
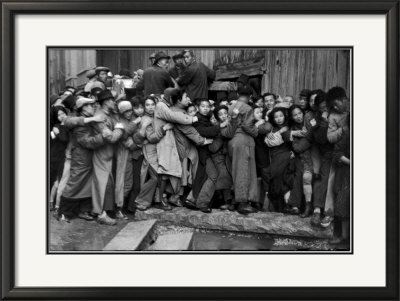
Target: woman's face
257,114
139,111
303,103
149,106
128,114
297,115
289,100
259,103
269,102
222,115
279,118
61,116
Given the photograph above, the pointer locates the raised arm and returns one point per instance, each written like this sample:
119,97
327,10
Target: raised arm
334,131
86,140
165,113
230,130
248,124
191,133
207,131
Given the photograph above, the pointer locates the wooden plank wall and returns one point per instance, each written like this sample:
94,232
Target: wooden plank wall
56,72
289,71
284,71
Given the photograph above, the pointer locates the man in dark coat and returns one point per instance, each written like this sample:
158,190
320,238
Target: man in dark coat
196,77
156,78
179,65
76,197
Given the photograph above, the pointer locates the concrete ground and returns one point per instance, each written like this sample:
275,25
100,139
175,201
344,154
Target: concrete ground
81,235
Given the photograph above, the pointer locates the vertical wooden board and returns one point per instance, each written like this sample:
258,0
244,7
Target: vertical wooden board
331,78
291,73
267,79
285,83
322,67
299,79
277,71
319,69
342,69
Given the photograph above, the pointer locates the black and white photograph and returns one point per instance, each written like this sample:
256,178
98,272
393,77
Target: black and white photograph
199,149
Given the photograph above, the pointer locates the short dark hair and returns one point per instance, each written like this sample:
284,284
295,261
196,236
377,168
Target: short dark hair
137,101
219,108
268,94
272,113
333,94
305,93
319,98
291,109
188,50
176,95
198,101
152,97
125,72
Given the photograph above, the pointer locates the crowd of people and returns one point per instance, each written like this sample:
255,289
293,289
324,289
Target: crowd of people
161,142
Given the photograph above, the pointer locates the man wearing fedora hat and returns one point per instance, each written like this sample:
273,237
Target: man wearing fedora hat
92,76
75,198
156,78
103,180
101,73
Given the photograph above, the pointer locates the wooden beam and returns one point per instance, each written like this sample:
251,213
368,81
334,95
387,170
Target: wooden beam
223,86
250,68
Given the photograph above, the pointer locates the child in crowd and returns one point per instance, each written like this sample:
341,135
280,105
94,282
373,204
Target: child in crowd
207,173
300,140
192,110
282,168
262,154
219,155
259,102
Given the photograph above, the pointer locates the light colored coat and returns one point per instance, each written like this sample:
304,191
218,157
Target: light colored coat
168,158
102,160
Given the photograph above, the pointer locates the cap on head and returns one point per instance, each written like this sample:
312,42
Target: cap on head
105,95
101,68
161,55
83,101
178,55
245,91
91,73
124,106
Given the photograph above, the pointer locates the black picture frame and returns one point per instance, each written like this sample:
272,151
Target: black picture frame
11,9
